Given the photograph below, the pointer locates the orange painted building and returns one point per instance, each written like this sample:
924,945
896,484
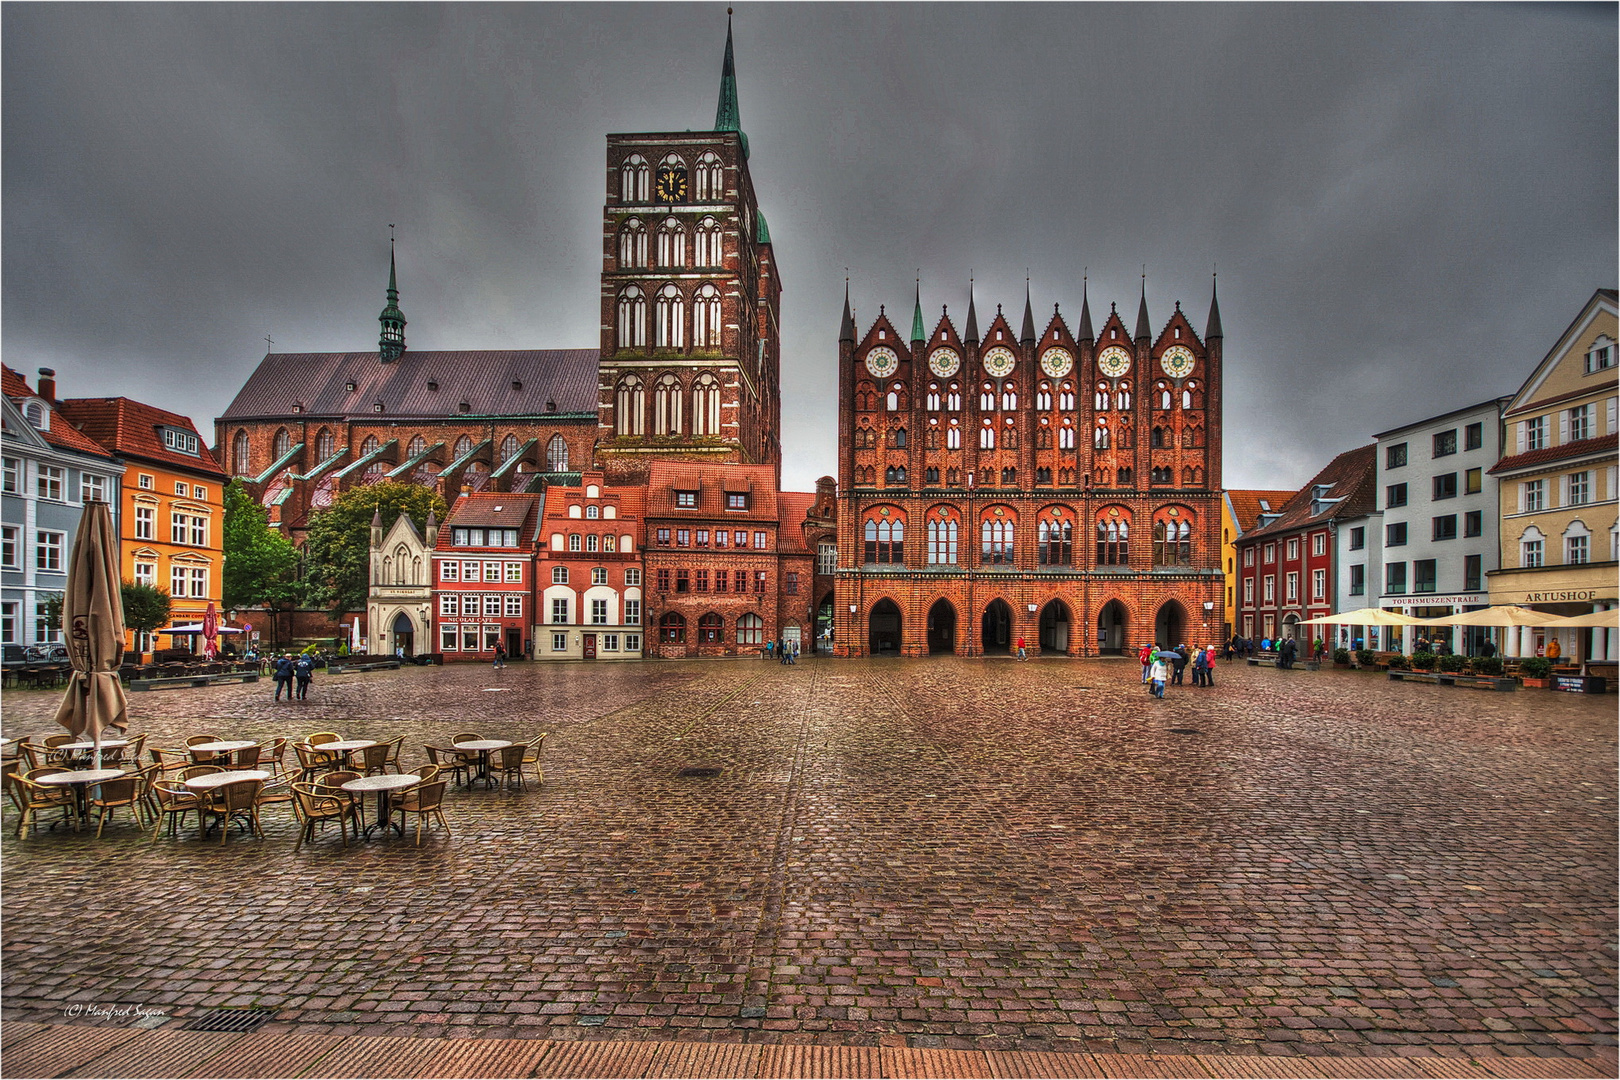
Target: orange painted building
172,521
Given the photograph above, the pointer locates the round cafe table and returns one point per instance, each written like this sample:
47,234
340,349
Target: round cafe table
209,781
224,746
383,785
80,780
89,744
482,747
346,747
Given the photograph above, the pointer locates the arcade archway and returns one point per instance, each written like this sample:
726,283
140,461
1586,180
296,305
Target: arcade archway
995,628
1055,633
1113,629
942,627
824,625
883,629
1170,625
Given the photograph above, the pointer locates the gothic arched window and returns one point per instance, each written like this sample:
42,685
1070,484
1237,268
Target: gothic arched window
1066,436
672,244
635,180
706,405
463,445
1113,542
884,540
706,318
325,444
711,178
987,438
1056,540
557,455
632,318
239,454
710,251
629,406
942,532
996,541
633,244
667,406
953,437
415,446
281,444
1009,397
1066,398
1043,397
671,318
509,448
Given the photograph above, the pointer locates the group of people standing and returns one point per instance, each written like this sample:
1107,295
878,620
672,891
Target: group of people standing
293,674
786,652
1166,667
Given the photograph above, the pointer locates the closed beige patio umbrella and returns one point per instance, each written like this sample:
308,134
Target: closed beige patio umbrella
93,625
1367,617
1504,615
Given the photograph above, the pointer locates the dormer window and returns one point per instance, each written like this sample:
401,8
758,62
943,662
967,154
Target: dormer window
686,499
376,406
433,384
182,442
1602,355
38,418
349,386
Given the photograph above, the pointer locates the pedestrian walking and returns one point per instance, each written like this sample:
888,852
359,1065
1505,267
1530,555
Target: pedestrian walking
1023,654
1209,666
500,655
1199,666
304,671
1158,673
770,649
1145,657
1179,665
283,675
793,652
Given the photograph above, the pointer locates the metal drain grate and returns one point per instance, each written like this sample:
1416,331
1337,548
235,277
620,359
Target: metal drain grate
699,772
250,1018
1185,731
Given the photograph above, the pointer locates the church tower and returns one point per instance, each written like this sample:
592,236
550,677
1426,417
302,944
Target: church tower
690,300
391,346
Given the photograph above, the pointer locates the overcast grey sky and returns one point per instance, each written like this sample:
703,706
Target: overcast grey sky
1407,204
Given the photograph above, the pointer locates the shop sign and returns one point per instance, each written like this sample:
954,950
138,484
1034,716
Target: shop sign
1566,596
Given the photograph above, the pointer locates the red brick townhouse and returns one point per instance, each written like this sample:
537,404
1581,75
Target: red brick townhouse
1285,566
588,573
483,575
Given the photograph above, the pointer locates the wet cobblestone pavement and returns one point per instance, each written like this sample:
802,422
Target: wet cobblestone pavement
936,853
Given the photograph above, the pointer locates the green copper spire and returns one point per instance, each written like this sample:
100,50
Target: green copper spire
392,343
727,116
762,232
917,331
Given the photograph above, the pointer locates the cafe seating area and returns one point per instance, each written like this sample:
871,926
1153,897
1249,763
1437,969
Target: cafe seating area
213,788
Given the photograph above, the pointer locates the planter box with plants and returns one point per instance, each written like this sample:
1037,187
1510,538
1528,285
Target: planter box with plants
1534,671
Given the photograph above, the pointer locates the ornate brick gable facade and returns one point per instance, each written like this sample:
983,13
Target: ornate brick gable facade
1060,487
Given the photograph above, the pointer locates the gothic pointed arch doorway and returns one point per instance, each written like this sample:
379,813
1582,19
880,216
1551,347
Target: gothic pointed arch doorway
1113,629
1055,623
995,628
883,628
404,632
942,627
1170,625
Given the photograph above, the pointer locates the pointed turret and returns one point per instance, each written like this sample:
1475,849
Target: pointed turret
1213,329
971,331
917,331
1144,329
376,529
391,345
1026,335
432,531
727,116
846,332
1084,332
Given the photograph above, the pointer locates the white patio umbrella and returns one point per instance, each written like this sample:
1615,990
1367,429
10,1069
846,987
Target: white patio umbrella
1366,617
1591,620
1504,615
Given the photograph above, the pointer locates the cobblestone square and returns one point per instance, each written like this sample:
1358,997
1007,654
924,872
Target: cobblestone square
938,853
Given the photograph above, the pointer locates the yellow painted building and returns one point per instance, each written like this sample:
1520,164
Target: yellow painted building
1560,542
1241,511
172,522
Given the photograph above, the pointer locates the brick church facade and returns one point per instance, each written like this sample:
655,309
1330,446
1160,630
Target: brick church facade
1060,486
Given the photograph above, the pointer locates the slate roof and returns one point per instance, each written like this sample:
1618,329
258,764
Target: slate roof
62,433
1350,477
711,482
1246,508
318,382
1546,455
130,427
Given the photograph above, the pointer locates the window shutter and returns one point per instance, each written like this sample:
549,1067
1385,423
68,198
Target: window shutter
1608,490
1563,490
1521,442
1563,427
1613,402
1522,487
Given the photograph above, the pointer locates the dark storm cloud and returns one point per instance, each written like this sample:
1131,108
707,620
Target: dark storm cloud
1407,203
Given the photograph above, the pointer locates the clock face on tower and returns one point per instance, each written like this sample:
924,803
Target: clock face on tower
670,186
1114,361
944,362
1177,362
882,361
999,361
1056,362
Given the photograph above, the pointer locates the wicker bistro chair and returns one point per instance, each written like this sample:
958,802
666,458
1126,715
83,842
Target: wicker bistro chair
320,737
316,807
508,762
374,759
312,761
239,798
30,797
246,758
127,790
131,754
174,801
34,755
170,758
531,756
205,757
271,755
393,753
467,736
423,800
444,758
332,784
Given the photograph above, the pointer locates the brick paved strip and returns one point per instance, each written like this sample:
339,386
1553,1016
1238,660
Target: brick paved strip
60,1047
486,1057
159,1054
1281,1068
15,1031
1351,1068
266,1055
707,1060
1039,1064
819,1062
1551,1068
596,1059
906,1062
380,1055
1168,1066
1448,1067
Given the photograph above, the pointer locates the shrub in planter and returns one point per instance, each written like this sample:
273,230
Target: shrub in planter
1424,661
1487,665
1535,667
1341,656
1366,657
1451,662
1399,662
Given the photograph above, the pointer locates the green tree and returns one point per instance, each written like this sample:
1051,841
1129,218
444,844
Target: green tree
52,603
337,551
146,607
261,565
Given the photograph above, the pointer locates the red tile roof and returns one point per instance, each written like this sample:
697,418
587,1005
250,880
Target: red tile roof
486,509
131,428
319,384
62,433
1247,505
794,507
711,482
1547,455
1350,478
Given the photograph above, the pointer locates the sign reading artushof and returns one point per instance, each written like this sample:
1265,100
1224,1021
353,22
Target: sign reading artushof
1566,596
